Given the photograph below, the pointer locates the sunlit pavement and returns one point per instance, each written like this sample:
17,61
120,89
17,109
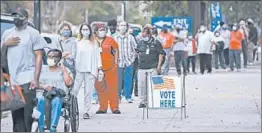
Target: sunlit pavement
221,101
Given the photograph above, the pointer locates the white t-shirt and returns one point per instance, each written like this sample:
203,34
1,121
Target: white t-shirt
88,57
226,37
189,47
205,42
180,46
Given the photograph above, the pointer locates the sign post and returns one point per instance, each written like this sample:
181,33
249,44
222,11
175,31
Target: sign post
165,92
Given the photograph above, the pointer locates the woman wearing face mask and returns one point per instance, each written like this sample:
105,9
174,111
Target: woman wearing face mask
191,53
67,45
88,64
236,38
107,87
218,53
53,76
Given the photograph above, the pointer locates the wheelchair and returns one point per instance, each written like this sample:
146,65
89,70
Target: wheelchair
70,113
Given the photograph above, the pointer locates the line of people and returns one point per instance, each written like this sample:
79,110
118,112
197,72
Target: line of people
224,46
108,59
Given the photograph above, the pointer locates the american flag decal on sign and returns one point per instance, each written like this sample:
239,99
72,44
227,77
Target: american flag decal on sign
163,83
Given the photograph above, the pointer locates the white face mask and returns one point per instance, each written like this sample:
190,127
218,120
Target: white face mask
234,28
101,34
85,33
190,37
202,29
145,38
51,62
122,29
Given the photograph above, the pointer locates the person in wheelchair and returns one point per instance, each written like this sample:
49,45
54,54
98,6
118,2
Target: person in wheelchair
55,80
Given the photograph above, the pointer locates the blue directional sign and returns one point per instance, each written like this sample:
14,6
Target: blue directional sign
185,21
159,22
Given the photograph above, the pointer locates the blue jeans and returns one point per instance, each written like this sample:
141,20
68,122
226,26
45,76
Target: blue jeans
56,108
165,66
95,97
235,59
125,76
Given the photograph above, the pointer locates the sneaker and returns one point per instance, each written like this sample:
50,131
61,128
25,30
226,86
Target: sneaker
53,130
129,100
100,112
86,116
116,112
141,105
238,70
94,102
194,72
119,100
230,70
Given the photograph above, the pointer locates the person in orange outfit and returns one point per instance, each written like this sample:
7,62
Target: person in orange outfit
168,40
107,89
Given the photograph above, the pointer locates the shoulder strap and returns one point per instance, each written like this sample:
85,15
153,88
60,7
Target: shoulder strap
61,46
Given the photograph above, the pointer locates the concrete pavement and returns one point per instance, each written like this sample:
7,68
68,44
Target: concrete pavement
222,101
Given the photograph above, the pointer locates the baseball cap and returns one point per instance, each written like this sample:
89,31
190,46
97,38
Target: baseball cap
21,11
250,20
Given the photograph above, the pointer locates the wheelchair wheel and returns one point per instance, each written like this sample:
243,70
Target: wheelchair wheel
74,114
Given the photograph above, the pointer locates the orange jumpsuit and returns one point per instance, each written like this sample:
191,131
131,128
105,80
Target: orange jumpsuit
107,90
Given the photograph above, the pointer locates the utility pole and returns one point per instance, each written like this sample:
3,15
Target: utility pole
123,9
37,15
86,15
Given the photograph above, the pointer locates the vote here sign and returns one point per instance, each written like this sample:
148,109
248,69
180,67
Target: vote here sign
164,92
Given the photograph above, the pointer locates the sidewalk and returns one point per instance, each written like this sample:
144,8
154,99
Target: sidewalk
221,102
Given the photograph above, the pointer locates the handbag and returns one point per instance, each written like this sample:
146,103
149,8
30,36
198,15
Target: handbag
12,97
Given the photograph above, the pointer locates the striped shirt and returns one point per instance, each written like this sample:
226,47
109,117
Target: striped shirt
126,46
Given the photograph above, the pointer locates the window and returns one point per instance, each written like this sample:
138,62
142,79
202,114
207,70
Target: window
5,26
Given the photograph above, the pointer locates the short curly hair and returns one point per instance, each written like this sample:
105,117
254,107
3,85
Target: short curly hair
64,24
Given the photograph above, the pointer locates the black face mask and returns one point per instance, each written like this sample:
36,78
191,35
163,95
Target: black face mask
19,22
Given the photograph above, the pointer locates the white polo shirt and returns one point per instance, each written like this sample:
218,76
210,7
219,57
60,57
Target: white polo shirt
205,42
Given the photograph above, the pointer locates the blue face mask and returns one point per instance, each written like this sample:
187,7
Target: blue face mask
66,33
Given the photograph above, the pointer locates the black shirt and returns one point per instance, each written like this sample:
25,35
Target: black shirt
150,60
253,35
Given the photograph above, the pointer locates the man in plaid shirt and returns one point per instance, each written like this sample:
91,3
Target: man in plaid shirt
127,53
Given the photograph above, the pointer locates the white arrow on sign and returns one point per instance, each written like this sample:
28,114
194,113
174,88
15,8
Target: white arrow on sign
162,23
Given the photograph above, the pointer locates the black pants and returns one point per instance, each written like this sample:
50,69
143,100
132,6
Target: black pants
219,55
180,58
22,118
254,54
226,56
134,88
205,62
244,50
192,60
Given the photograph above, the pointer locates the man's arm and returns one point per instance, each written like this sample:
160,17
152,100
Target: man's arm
38,63
161,53
38,46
